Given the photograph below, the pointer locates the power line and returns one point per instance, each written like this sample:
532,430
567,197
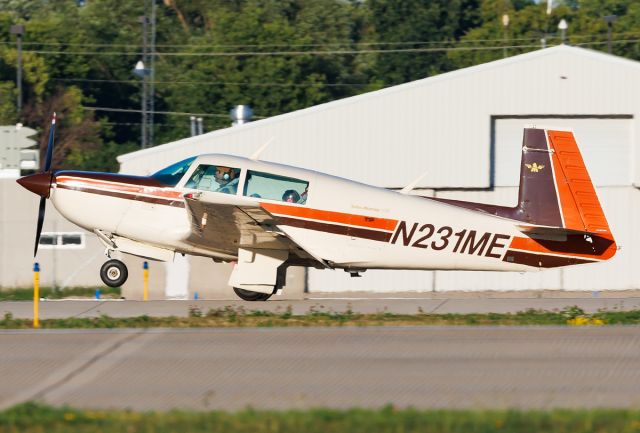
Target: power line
282,53
230,83
619,41
307,53
171,113
326,44
156,124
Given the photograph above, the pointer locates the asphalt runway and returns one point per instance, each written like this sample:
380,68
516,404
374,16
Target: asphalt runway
284,368
362,303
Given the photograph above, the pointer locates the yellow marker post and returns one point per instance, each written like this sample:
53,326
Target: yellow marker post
36,294
145,272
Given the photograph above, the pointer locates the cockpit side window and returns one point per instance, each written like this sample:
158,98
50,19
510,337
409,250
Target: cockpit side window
171,175
215,178
275,187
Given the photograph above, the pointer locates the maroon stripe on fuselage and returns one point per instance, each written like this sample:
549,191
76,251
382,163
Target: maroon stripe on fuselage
541,260
134,197
335,229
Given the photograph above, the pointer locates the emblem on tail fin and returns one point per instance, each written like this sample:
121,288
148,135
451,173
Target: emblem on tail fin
535,167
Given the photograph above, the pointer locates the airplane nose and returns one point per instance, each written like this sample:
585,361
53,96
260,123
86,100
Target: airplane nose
39,183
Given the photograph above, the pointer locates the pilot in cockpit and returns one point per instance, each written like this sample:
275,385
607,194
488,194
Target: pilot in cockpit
227,178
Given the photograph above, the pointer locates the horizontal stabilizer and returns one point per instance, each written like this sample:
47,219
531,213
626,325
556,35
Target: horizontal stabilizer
550,233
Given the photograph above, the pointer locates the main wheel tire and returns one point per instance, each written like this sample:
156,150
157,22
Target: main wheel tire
248,295
114,273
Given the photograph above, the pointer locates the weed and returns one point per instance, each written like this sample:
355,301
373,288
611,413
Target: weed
195,311
572,312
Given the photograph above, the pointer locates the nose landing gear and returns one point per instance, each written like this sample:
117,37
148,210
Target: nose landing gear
114,273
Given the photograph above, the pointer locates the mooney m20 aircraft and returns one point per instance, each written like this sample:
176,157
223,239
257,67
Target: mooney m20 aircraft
266,217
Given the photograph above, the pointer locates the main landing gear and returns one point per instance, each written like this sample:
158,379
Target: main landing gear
248,295
114,273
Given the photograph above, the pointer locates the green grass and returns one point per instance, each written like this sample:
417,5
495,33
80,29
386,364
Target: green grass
36,418
54,293
239,317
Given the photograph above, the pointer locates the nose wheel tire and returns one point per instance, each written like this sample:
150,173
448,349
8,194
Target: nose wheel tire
248,295
114,273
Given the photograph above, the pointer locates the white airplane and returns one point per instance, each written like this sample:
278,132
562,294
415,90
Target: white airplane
266,217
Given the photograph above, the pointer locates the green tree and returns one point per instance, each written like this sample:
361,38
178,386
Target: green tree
266,78
408,21
529,24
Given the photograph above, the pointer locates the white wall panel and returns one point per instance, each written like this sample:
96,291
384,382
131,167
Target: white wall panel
374,280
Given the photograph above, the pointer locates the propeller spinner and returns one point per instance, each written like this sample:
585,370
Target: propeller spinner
40,183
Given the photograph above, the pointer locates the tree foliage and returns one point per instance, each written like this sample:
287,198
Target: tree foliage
275,55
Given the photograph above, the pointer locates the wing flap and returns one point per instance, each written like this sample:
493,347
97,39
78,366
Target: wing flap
226,223
227,227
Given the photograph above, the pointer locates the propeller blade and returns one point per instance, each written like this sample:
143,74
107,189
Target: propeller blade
41,210
47,161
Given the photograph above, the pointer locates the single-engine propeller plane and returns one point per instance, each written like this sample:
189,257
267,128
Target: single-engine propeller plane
266,216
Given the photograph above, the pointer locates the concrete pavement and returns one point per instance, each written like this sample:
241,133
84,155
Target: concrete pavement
285,368
403,303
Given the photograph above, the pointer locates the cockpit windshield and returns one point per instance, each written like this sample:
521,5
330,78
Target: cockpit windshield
171,175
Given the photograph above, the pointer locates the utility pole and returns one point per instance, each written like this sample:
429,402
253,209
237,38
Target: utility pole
18,30
200,127
193,126
505,25
610,19
152,75
145,61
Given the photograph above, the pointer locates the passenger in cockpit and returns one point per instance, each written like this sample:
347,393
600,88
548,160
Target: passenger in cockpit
291,196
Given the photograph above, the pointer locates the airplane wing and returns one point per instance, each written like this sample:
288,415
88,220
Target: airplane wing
226,223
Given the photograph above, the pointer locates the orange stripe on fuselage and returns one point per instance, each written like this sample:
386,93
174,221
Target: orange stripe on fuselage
330,216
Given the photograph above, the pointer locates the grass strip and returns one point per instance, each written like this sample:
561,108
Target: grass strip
239,317
55,293
32,418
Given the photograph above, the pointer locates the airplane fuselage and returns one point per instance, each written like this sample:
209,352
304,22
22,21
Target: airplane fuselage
345,223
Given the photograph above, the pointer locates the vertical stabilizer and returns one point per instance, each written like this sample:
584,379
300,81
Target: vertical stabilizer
555,187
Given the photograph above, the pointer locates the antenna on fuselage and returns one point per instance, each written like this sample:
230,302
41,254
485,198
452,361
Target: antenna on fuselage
256,155
407,189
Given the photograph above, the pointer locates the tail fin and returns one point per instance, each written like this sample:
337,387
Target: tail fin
555,187
564,221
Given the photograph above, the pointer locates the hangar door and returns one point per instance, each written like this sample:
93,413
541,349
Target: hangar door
605,144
